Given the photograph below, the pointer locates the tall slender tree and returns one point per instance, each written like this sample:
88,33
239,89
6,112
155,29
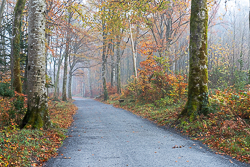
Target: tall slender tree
37,111
16,73
198,75
249,45
1,11
65,74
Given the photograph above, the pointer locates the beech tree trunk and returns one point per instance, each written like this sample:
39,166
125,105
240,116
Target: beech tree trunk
90,82
198,75
56,90
249,45
18,13
37,111
112,64
69,85
104,58
118,68
104,62
64,94
133,52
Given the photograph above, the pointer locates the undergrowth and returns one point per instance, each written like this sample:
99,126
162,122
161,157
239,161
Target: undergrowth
28,147
226,129
160,96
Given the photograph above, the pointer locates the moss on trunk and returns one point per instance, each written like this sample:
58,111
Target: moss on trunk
37,114
198,75
18,12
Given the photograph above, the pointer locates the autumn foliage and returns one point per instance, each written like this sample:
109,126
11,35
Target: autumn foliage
29,147
159,95
155,82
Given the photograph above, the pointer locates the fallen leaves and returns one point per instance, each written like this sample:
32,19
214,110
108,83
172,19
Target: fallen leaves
176,146
29,147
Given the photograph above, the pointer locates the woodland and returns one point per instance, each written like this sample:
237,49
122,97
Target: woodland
180,63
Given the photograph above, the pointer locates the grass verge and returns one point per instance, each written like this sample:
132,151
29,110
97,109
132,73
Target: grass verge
29,147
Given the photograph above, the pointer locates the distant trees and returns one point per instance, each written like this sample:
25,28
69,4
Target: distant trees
113,37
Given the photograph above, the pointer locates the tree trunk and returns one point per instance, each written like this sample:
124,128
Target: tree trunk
47,37
104,62
37,111
64,95
104,59
90,83
133,52
112,64
69,85
1,11
25,83
198,75
18,12
56,92
118,65
249,45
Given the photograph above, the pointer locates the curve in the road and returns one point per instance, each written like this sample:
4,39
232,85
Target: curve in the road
104,136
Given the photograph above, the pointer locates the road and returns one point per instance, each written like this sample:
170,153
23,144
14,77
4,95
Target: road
105,136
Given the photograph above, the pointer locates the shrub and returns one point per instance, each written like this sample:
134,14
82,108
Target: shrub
155,83
12,109
5,90
236,103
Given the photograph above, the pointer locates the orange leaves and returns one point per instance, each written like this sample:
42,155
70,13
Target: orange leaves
33,147
154,82
61,114
236,103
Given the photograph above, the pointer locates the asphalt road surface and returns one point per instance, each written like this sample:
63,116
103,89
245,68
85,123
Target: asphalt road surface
104,136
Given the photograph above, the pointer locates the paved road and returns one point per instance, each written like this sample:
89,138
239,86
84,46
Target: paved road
104,136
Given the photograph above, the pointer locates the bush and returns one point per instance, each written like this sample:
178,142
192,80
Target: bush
154,83
12,109
5,90
236,103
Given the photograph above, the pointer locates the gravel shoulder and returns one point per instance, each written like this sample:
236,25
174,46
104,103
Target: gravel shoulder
105,136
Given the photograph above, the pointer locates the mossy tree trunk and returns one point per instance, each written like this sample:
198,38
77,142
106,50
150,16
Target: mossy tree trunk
16,33
2,10
37,111
198,75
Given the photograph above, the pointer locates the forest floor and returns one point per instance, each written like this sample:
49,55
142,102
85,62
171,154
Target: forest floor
223,130
103,135
28,147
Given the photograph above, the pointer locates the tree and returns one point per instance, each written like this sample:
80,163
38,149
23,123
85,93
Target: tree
198,75
18,12
37,111
249,45
64,95
1,11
